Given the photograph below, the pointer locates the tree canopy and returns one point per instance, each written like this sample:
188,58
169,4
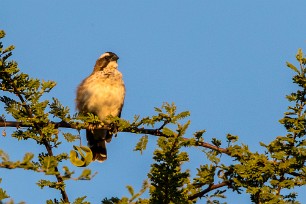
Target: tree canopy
268,177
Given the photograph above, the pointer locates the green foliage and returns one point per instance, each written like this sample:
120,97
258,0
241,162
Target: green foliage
165,115
268,177
3,193
134,196
23,101
142,144
86,175
81,200
70,137
59,111
112,200
168,181
43,183
25,163
265,176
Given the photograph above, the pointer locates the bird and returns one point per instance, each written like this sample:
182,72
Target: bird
102,93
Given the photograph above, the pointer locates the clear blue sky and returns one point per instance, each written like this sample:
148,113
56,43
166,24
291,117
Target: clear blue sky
222,60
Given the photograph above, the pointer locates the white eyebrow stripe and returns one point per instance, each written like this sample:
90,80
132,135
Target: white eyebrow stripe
104,55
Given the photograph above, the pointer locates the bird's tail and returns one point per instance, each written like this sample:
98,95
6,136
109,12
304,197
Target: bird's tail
97,142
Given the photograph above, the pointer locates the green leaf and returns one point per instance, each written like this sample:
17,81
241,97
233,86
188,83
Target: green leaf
80,200
45,183
58,110
2,34
8,49
131,190
232,138
48,164
142,144
4,156
70,137
3,194
216,142
86,175
158,110
199,135
299,55
27,158
167,131
67,173
291,66
112,200
182,115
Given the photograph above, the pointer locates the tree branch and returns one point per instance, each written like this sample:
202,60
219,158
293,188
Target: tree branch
213,147
12,165
46,144
208,189
154,132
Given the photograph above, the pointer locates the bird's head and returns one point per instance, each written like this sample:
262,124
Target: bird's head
108,59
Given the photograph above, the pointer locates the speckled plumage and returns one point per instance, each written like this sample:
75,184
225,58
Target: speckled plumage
102,93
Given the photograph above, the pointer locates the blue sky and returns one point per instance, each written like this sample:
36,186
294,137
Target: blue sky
222,60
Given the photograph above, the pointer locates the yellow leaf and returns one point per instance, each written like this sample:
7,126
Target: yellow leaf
84,159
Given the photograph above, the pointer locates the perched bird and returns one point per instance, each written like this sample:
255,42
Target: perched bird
102,93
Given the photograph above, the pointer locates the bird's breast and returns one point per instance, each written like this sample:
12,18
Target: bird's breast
103,94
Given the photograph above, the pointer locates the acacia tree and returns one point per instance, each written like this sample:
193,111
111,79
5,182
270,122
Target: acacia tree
267,177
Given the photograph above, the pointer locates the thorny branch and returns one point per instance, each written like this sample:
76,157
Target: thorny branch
154,132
